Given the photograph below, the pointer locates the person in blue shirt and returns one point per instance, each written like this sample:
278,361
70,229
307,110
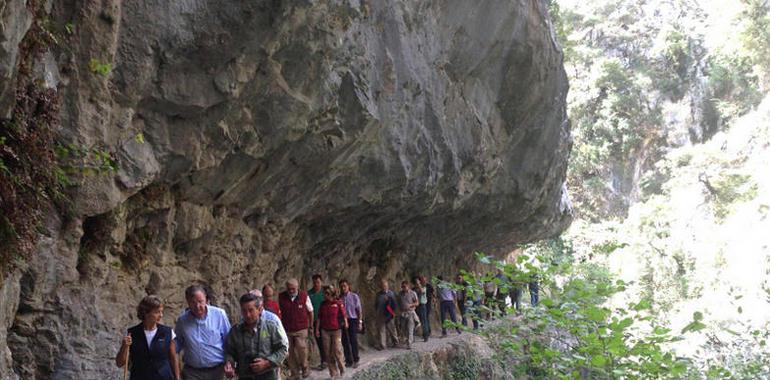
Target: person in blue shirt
266,314
201,332
448,298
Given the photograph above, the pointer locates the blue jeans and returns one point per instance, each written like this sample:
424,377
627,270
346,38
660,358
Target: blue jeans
534,293
447,307
422,313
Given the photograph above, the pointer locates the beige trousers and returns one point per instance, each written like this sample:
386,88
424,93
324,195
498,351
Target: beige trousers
297,354
387,329
333,348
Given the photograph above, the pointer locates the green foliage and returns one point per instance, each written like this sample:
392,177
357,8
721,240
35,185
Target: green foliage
98,67
562,21
612,105
77,160
573,334
625,63
643,80
745,355
731,188
406,366
674,71
465,368
733,85
756,33
576,332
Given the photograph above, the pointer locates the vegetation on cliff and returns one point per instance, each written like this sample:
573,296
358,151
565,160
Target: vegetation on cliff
30,178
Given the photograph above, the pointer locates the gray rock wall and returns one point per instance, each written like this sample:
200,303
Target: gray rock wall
254,141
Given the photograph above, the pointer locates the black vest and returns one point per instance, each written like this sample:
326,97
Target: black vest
150,363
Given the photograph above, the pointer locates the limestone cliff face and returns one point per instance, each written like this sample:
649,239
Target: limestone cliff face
254,141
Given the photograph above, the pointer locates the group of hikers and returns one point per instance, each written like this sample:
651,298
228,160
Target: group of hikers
272,331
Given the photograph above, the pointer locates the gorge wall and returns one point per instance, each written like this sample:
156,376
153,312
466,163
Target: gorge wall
251,141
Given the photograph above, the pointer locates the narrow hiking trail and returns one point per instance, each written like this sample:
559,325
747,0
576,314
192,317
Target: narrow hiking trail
370,356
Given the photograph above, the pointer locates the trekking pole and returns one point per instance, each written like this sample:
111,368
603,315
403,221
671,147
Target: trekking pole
125,367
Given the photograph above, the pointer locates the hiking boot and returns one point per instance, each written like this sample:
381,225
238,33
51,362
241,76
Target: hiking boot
348,365
305,374
320,367
355,364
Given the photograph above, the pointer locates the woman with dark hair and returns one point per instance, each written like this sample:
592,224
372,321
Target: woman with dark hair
150,345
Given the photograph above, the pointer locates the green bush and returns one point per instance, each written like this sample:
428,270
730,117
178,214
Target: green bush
573,334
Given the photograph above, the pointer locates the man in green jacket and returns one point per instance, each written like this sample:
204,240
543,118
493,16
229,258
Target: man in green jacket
256,347
316,295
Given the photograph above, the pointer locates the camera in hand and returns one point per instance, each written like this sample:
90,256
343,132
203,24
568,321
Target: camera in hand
250,358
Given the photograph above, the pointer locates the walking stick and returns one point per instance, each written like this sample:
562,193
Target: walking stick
125,367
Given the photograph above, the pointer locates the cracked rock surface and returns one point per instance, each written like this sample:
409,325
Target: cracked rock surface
253,141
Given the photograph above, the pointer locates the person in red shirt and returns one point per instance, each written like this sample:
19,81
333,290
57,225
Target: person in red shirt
331,320
268,301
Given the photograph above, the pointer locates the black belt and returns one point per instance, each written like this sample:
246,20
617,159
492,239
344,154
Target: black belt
205,368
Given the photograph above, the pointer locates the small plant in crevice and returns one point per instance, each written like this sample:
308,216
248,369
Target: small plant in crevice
85,161
98,67
69,28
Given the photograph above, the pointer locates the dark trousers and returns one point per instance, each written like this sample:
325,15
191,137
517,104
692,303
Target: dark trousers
422,313
213,373
321,351
489,304
463,311
428,307
270,375
534,293
350,341
447,308
476,314
500,298
516,298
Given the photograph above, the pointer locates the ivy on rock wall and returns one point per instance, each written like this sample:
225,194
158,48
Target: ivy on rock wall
30,179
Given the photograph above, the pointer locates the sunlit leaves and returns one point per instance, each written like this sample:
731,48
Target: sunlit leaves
696,324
